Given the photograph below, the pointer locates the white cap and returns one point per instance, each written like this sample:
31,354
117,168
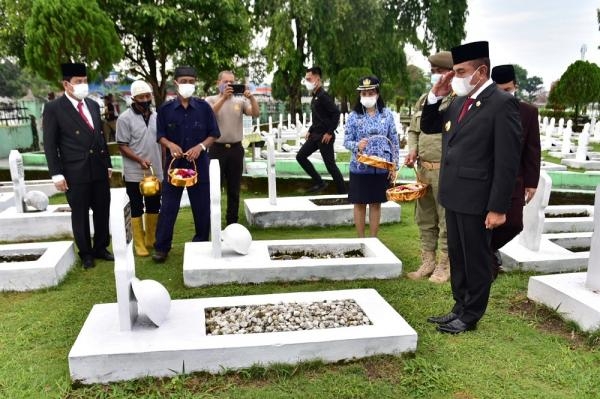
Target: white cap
140,87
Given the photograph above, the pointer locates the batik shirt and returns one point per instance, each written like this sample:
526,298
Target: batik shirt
382,129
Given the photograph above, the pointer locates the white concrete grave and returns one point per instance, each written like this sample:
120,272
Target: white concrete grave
17,175
271,174
319,210
268,260
54,260
214,171
182,345
583,158
532,250
575,296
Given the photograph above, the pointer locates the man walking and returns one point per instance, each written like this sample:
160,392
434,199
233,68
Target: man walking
229,110
481,149
79,163
321,134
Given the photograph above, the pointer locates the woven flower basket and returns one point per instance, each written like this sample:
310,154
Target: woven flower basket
407,192
182,177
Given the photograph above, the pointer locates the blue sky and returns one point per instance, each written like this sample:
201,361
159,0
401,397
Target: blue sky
543,36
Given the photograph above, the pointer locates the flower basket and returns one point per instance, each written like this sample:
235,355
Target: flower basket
182,177
407,192
375,160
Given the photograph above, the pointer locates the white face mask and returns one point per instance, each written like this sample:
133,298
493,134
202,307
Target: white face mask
186,90
310,86
368,102
80,91
435,77
463,86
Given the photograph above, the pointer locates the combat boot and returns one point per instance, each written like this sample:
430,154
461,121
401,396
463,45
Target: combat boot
426,268
441,274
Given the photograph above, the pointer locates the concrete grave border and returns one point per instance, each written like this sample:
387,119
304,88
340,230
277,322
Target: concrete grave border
103,353
201,268
47,271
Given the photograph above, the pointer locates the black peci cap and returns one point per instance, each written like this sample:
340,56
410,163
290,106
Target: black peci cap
503,73
469,52
185,71
71,69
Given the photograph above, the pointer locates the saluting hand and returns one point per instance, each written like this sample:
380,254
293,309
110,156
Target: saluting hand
443,86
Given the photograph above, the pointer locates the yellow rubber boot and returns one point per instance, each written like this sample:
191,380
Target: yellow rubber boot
138,237
150,221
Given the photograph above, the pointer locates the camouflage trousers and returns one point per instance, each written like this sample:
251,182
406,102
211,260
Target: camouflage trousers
429,214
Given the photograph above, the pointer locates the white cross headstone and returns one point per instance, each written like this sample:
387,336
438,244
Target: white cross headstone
552,122
17,175
122,245
214,173
592,125
566,140
271,176
593,271
560,127
582,143
544,124
534,216
279,135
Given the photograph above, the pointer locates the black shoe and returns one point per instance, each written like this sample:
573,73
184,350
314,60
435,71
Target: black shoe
104,254
456,326
442,319
316,188
88,261
159,257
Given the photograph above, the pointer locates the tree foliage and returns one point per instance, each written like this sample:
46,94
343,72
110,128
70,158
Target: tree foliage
13,15
70,31
528,87
578,86
210,35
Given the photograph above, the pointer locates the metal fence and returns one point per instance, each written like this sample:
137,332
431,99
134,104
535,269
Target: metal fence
13,114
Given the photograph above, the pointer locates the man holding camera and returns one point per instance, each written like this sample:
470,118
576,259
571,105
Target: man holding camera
232,102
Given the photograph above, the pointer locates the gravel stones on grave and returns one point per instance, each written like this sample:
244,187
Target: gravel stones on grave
284,317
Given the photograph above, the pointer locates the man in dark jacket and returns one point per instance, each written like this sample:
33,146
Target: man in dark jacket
78,161
321,134
481,149
529,166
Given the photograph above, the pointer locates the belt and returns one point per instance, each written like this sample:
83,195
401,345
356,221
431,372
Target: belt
227,145
430,165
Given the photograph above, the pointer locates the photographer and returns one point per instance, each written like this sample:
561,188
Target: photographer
229,108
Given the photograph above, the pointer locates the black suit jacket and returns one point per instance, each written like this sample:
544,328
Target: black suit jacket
72,148
480,154
325,114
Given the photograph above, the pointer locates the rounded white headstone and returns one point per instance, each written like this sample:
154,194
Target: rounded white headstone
153,299
37,200
237,237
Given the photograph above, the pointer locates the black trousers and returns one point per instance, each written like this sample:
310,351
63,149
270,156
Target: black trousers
308,148
138,202
231,162
81,198
469,251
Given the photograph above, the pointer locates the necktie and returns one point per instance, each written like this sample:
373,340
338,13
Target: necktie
465,107
80,109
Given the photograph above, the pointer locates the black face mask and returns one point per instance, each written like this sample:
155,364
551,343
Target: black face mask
145,105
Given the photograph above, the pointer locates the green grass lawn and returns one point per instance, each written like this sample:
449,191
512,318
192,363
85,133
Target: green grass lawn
520,350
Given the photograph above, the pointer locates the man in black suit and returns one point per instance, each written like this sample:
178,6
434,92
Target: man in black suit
529,167
78,161
481,149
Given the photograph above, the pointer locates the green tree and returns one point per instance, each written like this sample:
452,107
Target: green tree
10,80
13,15
70,30
528,87
578,86
210,35
345,85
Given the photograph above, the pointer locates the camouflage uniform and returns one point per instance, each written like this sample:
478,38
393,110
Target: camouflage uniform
429,215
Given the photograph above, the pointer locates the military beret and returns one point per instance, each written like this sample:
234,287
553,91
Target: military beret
443,59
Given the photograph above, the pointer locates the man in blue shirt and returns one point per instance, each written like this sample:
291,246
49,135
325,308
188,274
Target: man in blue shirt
186,128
